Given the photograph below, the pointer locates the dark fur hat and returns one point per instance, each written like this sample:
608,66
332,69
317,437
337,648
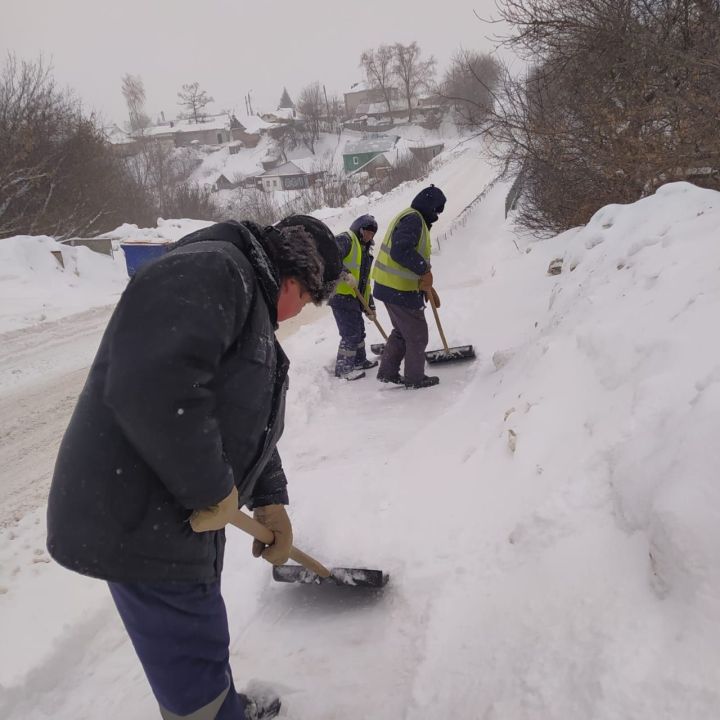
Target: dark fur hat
324,240
364,222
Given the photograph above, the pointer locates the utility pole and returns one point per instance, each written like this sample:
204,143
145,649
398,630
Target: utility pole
327,106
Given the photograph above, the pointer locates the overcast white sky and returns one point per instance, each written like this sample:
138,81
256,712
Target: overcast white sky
230,47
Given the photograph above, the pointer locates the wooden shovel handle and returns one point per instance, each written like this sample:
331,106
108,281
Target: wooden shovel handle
431,300
368,311
264,535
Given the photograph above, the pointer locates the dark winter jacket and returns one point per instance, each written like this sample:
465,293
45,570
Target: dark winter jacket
429,202
366,260
185,397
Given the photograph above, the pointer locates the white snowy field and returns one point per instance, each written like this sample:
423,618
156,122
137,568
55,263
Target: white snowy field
549,514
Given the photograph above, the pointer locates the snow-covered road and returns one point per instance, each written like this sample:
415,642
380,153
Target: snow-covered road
42,370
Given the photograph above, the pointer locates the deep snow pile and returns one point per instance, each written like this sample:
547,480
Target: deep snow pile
36,285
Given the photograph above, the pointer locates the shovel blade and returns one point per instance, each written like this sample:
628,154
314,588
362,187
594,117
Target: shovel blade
453,354
351,577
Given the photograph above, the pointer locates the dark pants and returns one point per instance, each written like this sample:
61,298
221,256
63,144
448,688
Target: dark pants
351,325
180,634
408,339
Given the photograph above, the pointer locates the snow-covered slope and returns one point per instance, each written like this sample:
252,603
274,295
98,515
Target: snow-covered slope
548,514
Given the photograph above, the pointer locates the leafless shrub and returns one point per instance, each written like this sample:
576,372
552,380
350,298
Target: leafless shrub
625,96
190,201
469,85
407,167
58,175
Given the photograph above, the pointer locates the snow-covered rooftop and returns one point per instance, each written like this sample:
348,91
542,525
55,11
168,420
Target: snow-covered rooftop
374,143
116,135
357,87
296,166
378,108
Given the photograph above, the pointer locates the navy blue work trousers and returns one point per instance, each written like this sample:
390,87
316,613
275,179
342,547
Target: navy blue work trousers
180,634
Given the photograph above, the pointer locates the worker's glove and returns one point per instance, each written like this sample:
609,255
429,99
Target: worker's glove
215,517
435,297
372,315
275,518
426,281
349,278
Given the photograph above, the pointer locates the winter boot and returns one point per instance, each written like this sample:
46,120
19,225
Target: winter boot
262,708
394,379
426,381
366,364
263,702
352,375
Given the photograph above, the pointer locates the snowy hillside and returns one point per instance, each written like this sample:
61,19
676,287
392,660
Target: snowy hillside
549,514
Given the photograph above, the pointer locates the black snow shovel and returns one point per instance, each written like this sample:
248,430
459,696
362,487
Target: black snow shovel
447,354
309,570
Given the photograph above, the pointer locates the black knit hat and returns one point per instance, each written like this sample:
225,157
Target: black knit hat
430,199
324,240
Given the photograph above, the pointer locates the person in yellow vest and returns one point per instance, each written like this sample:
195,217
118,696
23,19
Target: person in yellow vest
355,246
403,277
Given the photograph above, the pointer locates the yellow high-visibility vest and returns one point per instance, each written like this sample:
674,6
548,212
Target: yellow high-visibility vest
352,262
392,274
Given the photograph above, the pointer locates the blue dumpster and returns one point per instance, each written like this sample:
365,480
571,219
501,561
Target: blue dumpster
137,254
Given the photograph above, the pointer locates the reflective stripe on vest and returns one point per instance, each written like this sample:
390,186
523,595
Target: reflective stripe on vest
392,274
352,262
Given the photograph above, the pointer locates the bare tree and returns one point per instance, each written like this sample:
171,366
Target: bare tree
469,85
133,91
378,67
411,71
285,137
58,175
193,99
311,106
622,99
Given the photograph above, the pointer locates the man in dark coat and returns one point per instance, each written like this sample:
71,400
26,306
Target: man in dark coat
179,419
403,279
355,246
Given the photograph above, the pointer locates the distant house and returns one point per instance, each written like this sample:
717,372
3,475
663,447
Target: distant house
218,181
380,109
248,129
361,93
122,144
214,131
163,134
357,154
271,161
222,183
253,181
427,152
377,167
281,115
290,176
